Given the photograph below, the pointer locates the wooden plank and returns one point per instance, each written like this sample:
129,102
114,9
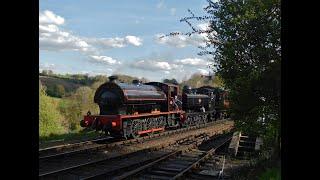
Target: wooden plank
234,144
162,173
171,169
258,144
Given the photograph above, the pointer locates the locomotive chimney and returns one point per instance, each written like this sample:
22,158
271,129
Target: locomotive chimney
113,78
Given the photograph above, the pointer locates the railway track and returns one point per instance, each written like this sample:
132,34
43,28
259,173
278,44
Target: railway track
101,143
91,154
111,166
212,168
71,148
176,165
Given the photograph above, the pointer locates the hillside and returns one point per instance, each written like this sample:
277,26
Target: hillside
51,82
129,79
64,85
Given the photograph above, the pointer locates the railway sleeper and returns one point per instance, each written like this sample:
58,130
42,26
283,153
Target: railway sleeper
151,176
178,161
209,164
193,153
187,158
202,176
197,151
172,166
170,169
161,172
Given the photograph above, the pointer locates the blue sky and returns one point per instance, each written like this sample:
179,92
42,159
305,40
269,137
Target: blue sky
120,36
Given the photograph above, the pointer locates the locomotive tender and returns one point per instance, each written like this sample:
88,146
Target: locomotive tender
130,110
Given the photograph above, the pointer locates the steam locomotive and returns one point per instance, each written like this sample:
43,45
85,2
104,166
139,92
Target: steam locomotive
130,110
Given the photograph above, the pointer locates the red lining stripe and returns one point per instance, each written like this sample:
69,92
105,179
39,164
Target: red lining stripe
145,99
151,114
150,130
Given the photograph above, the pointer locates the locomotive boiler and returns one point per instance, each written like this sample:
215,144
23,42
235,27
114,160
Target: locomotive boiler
123,98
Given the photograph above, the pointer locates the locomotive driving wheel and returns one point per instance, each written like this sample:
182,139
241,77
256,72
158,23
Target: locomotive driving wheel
190,121
136,126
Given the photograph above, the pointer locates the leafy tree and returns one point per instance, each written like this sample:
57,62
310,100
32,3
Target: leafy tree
129,79
50,72
60,91
100,78
97,84
172,81
44,72
57,90
243,39
50,119
80,103
218,81
144,80
198,80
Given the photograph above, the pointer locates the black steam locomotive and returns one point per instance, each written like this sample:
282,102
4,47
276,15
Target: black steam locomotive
130,110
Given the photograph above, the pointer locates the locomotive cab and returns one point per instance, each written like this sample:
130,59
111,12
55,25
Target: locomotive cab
171,91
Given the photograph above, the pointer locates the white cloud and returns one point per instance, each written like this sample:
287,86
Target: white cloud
95,73
105,59
48,17
53,38
179,69
48,28
115,42
152,65
173,11
181,41
107,42
192,62
166,66
160,4
203,71
203,26
47,66
136,41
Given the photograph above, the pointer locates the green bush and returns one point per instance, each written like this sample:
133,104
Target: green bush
77,105
271,174
49,117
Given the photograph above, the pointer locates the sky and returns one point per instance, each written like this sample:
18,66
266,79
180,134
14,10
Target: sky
98,37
